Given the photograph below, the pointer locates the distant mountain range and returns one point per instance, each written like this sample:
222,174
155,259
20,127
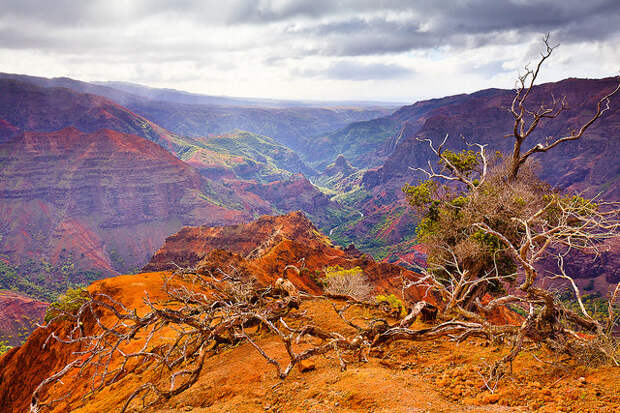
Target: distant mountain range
179,96
289,122
125,92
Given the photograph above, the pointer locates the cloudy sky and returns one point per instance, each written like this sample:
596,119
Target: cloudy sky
401,50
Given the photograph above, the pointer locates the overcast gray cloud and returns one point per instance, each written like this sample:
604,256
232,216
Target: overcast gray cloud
355,71
387,49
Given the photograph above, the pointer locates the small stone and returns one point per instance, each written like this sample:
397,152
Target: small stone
388,363
306,365
582,380
490,398
188,408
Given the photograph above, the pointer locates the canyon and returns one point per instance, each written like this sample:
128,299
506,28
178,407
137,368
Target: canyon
90,188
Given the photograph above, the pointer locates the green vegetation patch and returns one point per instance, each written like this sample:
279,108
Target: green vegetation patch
393,303
4,347
68,303
44,281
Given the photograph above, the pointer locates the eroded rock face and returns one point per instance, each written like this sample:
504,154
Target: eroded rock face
109,198
297,194
18,316
251,240
27,107
340,165
265,248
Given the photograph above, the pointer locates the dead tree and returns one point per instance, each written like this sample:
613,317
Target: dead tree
506,214
527,120
575,226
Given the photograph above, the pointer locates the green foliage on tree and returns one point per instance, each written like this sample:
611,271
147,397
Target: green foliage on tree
449,212
465,161
422,194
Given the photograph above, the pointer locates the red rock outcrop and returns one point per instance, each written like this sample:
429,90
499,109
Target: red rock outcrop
191,244
267,246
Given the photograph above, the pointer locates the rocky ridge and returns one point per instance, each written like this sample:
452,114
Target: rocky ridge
438,375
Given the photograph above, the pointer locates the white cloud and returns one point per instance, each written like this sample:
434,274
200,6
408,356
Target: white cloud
304,50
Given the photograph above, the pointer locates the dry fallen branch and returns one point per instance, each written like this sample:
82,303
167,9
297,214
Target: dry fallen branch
201,315
204,313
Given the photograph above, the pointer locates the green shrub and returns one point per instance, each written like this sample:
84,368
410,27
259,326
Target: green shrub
4,347
422,194
69,302
393,302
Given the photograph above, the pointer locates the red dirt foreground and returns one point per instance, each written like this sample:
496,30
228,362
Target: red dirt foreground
403,376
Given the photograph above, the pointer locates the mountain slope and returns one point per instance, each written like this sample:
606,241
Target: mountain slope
245,154
38,107
106,200
19,316
26,107
590,164
360,142
367,144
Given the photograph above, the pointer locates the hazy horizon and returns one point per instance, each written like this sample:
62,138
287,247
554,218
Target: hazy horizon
395,51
